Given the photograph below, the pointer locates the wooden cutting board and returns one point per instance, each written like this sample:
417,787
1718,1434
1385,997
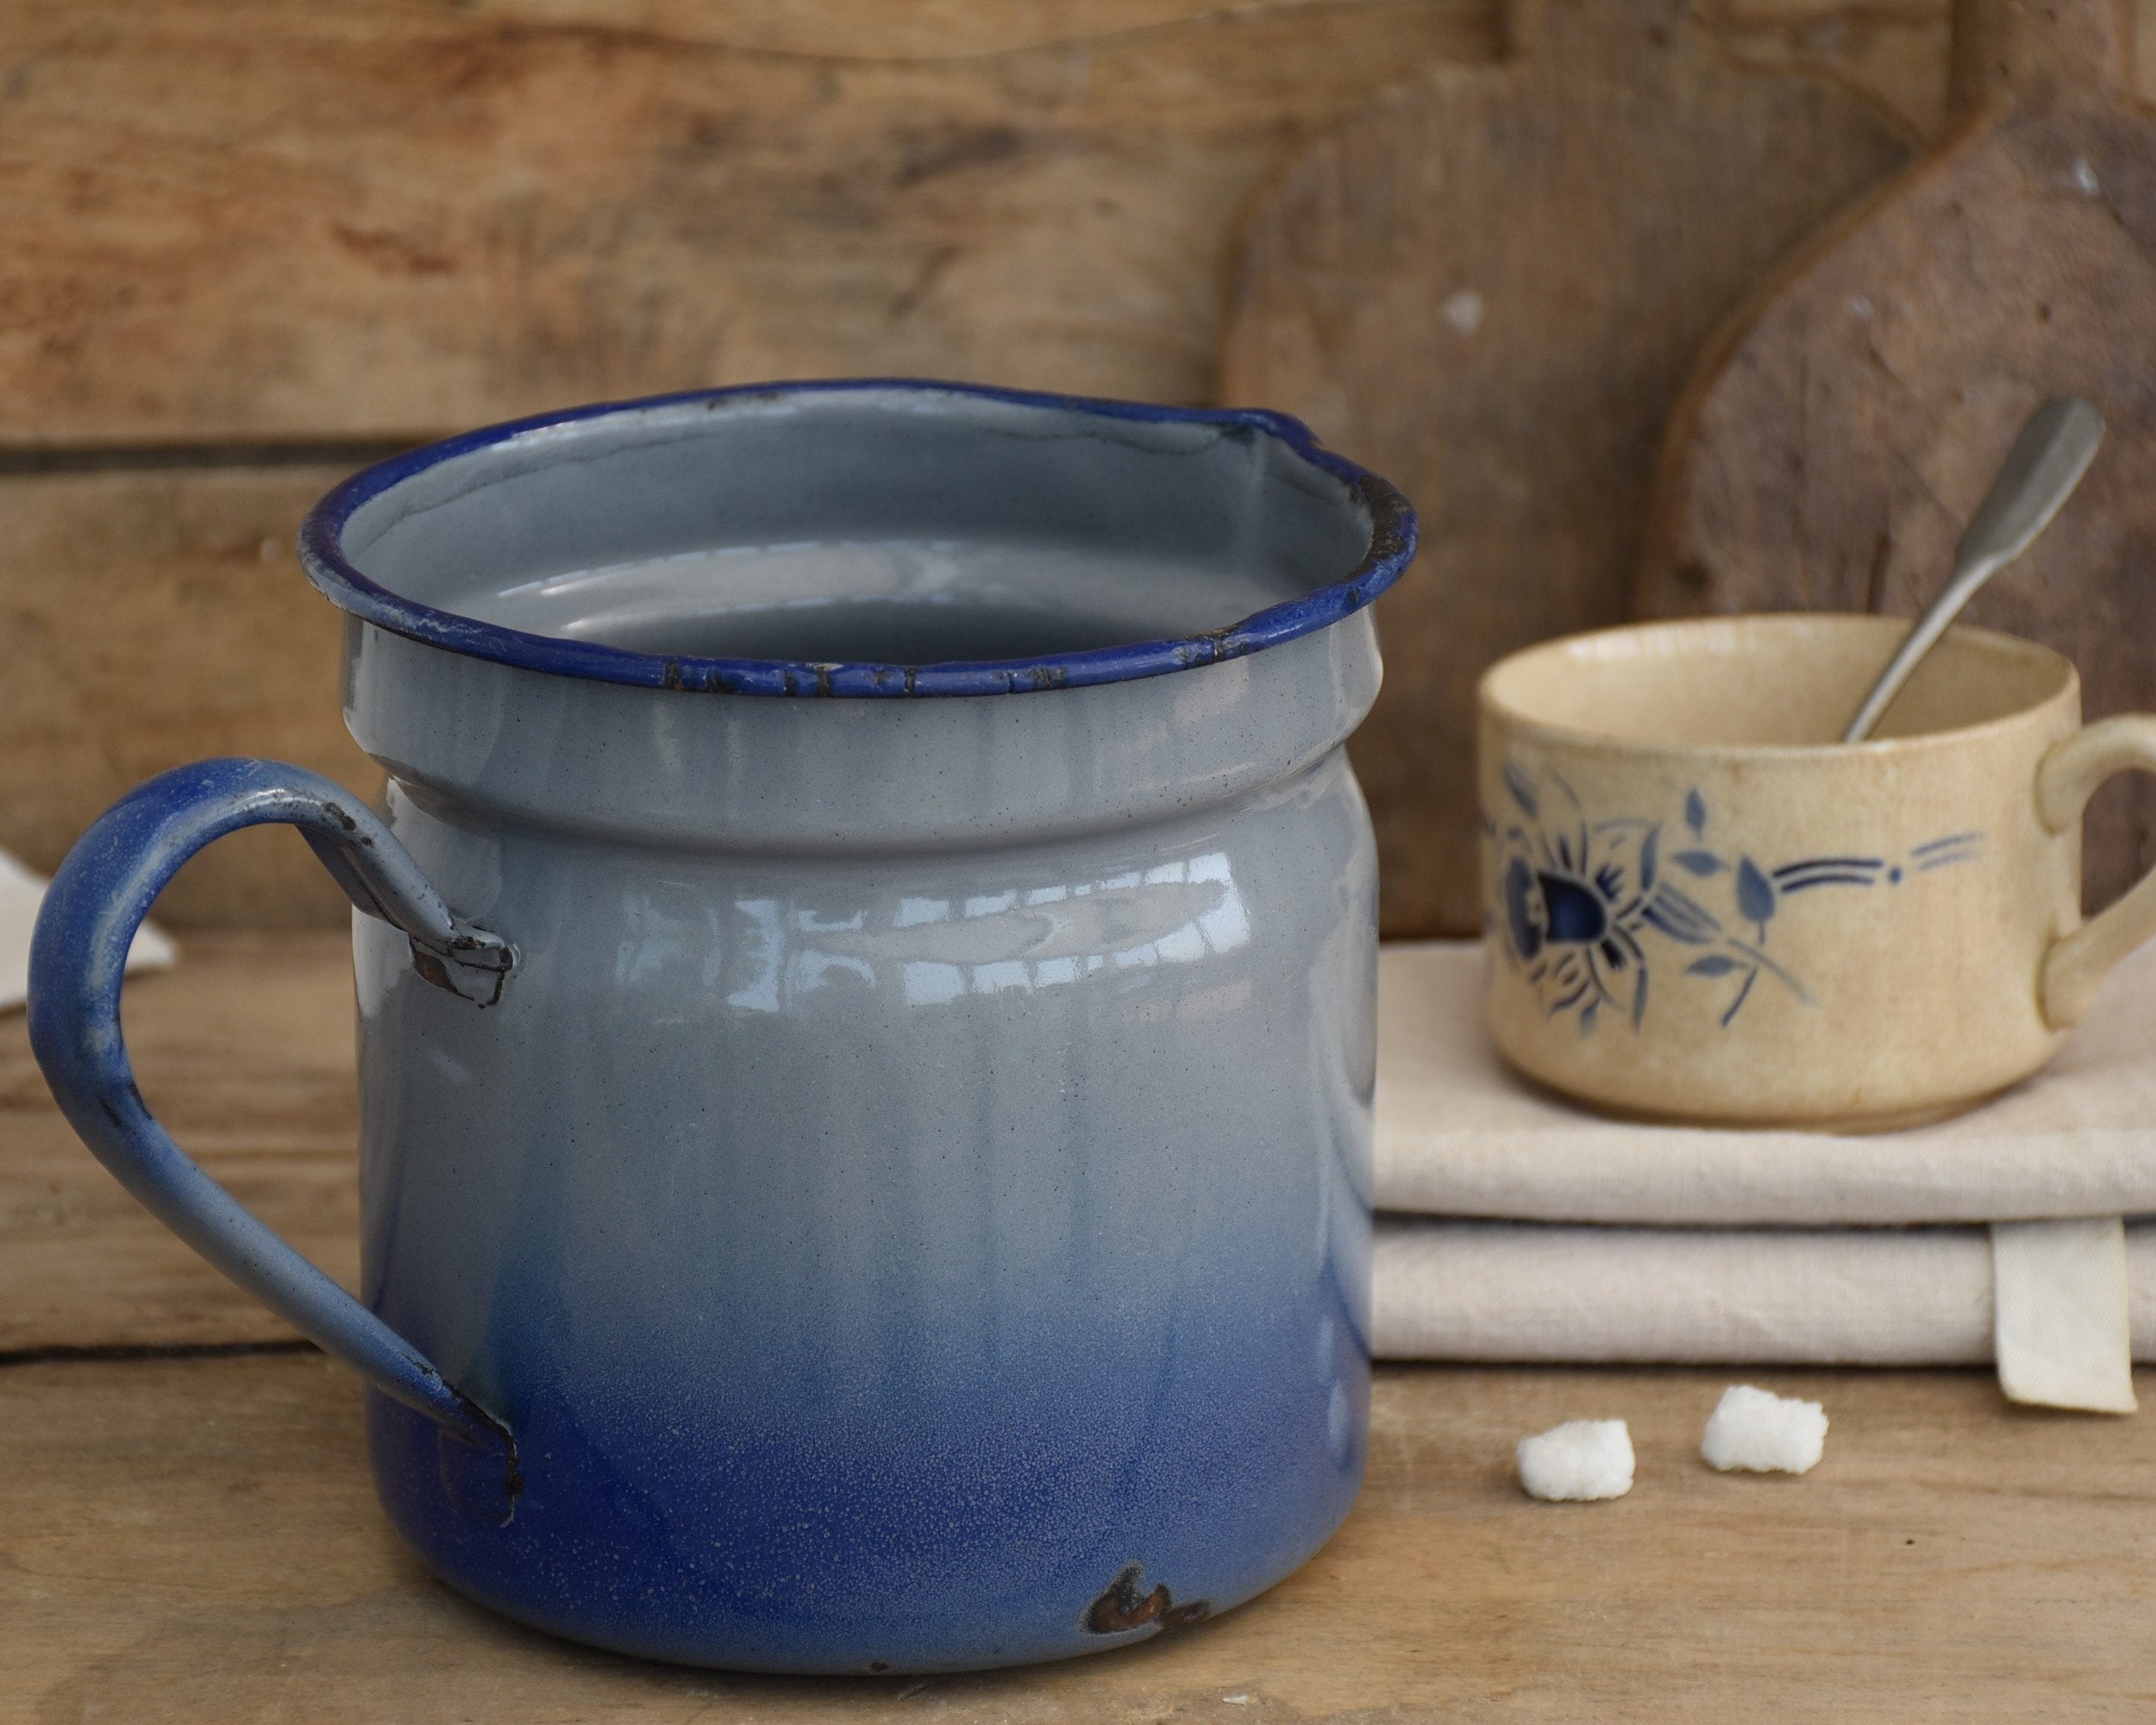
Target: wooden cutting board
1834,440
1490,287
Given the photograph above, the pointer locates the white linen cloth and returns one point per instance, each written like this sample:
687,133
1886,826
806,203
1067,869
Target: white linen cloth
1724,1296
1460,1134
1529,1229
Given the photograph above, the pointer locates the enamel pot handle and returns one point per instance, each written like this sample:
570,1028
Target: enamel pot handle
2064,782
85,927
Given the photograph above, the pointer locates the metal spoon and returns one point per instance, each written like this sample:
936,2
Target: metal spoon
2044,465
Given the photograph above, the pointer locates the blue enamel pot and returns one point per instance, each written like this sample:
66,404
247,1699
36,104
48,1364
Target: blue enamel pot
865,1167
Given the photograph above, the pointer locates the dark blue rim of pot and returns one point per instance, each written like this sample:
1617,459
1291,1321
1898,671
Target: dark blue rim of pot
1392,547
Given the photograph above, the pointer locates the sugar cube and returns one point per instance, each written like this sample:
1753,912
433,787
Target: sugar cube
1759,1431
1582,1461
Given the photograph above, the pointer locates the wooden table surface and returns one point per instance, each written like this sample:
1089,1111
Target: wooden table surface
187,1533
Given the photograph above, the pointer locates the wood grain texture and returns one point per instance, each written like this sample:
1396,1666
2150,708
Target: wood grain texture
1896,51
1835,440
149,619
1489,288
240,219
196,1542
245,1052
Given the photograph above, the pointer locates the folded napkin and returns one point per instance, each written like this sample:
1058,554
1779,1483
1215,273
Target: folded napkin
1530,1229
21,893
1460,1134
1730,1296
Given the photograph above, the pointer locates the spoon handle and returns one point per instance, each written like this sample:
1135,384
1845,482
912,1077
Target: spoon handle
2044,465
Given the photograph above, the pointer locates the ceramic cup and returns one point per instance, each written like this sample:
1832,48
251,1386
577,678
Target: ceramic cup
1697,910
864,1166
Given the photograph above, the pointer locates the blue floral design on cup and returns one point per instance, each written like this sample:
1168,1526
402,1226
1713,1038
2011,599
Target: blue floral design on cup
1579,898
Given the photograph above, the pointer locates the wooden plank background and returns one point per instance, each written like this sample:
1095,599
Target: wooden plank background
252,244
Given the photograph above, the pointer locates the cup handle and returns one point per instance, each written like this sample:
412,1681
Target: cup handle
2065,781
85,927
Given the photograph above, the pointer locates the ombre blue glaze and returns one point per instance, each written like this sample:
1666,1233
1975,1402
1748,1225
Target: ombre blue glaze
923,1303
909,1199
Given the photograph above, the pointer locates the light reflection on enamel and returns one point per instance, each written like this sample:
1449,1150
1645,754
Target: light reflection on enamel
938,951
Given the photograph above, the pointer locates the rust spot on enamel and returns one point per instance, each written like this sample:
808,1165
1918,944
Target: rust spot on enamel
1122,1607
